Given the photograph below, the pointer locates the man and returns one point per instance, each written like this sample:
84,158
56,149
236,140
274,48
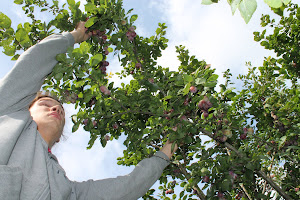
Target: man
29,129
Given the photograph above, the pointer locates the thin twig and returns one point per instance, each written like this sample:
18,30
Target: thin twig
155,146
200,194
265,185
245,191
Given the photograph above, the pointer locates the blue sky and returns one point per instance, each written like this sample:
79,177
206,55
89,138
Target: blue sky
209,32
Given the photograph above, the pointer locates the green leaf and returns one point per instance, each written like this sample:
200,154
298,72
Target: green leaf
286,2
225,184
230,95
187,78
90,22
182,184
80,95
133,18
188,140
250,165
92,141
90,7
213,78
207,2
186,89
58,76
74,118
204,171
96,59
200,81
173,146
27,26
294,147
85,47
79,83
103,142
23,38
55,2
210,84
282,141
15,57
77,53
75,127
18,2
26,42
247,8
278,11
114,38
274,3
5,21
158,31
61,57
129,11
21,34
181,194
234,5
9,50
110,49
71,3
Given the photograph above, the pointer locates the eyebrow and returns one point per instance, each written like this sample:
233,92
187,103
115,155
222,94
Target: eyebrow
51,100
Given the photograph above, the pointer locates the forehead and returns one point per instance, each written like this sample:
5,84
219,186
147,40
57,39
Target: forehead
50,100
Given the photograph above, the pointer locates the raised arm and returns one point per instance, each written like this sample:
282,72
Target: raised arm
128,187
20,85
131,186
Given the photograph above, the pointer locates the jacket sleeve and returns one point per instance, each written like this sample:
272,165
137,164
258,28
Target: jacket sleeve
128,187
20,85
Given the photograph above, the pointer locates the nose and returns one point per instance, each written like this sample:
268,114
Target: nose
57,109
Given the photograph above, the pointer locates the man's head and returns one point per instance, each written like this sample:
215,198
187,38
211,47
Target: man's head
49,116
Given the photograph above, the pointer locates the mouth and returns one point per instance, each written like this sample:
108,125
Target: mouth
56,115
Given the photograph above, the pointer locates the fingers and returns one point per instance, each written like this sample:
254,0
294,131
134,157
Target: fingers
81,32
167,149
87,36
80,25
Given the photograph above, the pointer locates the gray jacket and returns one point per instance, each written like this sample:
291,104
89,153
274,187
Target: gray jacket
27,170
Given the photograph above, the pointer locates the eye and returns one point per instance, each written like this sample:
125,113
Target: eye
45,104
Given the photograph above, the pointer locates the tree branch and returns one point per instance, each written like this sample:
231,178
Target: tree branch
274,185
116,100
245,191
200,194
259,173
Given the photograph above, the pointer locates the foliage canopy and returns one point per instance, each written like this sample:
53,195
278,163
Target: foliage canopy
253,146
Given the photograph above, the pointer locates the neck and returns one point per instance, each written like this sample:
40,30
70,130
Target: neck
49,135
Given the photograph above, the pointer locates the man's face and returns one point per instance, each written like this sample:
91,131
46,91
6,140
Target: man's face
49,114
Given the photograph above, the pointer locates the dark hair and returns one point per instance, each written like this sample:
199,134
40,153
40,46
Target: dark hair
40,95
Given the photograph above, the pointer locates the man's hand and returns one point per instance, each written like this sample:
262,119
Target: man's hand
167,149
80,34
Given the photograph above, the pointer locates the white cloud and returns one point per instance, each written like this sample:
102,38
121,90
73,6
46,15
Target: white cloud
213,34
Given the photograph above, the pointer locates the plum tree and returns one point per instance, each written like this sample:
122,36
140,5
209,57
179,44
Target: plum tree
252,133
